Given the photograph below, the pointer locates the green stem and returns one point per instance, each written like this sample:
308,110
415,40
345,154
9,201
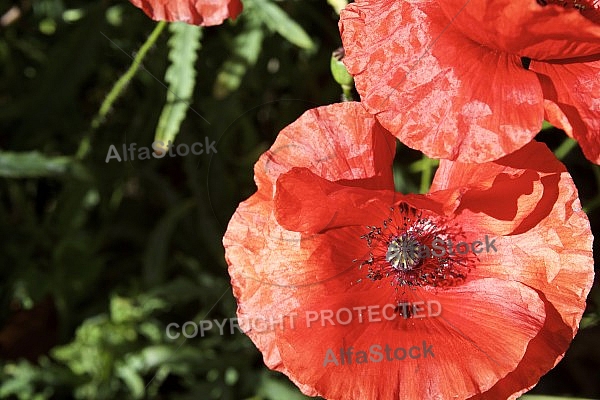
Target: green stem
426,174
338,5
565,148
347,93
119,87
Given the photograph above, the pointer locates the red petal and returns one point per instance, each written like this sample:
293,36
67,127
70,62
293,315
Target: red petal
526,28
339,142
550,251
196,12
489,321
543,353
558,221
430,85
266,261
554,258
308,203
575,88
508,196
554,115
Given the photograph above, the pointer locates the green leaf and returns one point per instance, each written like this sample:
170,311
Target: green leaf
245,50
181,77
277,20
133,380
589,321
271,388
155,258
34,164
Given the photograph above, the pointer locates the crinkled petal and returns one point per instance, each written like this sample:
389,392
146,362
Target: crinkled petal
341,142
550,250
543,353
430,85
575,89
554,258
528,29
488,321
195,12
556,117
508,196
324,141
307,203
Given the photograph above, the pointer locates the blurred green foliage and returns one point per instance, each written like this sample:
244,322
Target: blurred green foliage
97,258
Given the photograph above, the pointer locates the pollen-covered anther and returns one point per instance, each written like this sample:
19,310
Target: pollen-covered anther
399,250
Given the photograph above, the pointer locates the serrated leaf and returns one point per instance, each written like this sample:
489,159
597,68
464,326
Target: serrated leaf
276,19
181,77
245,50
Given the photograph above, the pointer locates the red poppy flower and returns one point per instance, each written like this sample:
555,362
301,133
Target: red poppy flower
473,80
322,256
195,12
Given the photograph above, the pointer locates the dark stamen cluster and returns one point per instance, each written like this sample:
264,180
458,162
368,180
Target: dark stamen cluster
580,5
395,252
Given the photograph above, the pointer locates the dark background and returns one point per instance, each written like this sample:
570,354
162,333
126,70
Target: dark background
97,258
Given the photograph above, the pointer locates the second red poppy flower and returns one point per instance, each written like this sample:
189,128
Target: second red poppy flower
473,80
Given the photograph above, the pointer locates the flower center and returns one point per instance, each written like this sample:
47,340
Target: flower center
401,251
588,8
581,5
